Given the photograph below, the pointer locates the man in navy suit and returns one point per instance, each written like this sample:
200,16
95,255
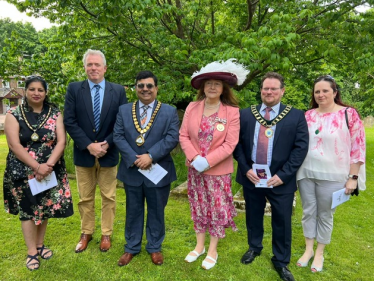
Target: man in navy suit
145,133
275,135
91,107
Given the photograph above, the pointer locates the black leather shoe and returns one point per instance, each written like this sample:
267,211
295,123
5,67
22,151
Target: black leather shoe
249,256
285,273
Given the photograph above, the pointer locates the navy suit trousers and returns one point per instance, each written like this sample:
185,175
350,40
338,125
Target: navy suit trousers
156,198
281,212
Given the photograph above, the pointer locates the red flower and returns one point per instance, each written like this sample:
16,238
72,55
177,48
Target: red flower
67,193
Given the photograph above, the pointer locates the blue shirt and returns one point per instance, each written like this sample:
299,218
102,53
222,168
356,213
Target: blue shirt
273,113
101,91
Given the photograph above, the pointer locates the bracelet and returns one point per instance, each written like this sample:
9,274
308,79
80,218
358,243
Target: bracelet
37,169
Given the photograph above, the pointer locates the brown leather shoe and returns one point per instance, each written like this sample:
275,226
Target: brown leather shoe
83,242
105,243
157,258
125,259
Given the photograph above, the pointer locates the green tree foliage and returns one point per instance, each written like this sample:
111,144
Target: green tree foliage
174,38
18,41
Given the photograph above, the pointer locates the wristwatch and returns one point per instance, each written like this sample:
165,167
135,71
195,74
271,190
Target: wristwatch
354,177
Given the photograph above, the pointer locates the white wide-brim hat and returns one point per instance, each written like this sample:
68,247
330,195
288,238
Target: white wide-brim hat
228,71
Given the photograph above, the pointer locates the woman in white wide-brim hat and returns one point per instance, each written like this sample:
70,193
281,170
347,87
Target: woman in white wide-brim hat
208,136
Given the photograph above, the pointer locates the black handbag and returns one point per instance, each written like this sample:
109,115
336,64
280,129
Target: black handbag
356,191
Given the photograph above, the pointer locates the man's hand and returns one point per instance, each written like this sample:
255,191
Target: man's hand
105,146
252,177
143,162
274,181
96,149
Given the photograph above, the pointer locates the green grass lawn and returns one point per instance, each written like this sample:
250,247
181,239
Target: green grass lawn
349,257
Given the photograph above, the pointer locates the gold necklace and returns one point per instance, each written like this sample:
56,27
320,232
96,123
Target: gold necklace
211,106
35,136
140,139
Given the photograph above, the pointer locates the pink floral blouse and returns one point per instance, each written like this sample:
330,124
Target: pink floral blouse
332,146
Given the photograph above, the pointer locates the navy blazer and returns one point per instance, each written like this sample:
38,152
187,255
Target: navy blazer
79,121
290,147
160,140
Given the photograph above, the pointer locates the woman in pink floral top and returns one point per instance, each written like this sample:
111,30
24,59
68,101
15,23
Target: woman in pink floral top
36,138
208,137
336,153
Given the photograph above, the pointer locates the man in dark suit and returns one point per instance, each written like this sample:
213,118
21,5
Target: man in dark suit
275,135
145,133
91,107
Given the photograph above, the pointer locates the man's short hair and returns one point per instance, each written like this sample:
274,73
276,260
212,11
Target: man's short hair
273,75
93,52
144,75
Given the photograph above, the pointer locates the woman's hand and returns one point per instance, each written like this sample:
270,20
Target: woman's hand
350,186
43,171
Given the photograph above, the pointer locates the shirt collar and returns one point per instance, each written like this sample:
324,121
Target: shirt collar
275,108
92,84
150,104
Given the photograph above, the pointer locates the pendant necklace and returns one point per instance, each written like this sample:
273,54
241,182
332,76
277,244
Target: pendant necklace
140,139
35,136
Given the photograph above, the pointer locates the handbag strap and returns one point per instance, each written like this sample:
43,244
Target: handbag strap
346,117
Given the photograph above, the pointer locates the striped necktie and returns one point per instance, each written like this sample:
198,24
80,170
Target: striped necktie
262,142
97,107
143,116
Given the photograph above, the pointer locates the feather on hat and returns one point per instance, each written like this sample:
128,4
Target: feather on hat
229,71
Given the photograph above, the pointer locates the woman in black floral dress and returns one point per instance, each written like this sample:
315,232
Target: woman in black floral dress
36,138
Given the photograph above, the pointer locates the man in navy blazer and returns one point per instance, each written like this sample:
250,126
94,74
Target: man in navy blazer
145,133
286,145
95,155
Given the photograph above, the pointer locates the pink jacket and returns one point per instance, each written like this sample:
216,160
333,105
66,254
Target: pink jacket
223,144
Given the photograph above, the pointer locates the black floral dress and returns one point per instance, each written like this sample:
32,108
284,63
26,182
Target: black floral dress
18,199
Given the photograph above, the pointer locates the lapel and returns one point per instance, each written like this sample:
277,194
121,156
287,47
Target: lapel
108,96
87,100
280,124
252,124
222,114
199,115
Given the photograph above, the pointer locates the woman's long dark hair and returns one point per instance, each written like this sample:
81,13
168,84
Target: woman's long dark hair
334,87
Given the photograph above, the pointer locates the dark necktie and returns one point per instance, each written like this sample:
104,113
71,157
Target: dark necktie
143,116
97,107
263,141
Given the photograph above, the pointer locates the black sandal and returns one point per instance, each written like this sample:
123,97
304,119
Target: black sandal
43,251
30,265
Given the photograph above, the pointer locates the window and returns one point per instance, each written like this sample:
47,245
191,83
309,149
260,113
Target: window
6,84
20,84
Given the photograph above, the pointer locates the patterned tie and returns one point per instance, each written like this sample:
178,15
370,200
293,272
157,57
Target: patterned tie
97,107
263,141
143,116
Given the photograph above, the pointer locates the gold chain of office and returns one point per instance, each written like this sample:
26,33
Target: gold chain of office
270,123
140,140
34,136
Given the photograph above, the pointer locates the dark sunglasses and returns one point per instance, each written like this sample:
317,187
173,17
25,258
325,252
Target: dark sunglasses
142,85
34,76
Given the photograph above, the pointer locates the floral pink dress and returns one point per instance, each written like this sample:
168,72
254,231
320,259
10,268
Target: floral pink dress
18,199
210,196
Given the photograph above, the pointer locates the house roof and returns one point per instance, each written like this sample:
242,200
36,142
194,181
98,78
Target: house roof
10,94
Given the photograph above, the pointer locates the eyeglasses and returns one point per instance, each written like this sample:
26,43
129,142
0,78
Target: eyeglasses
271,89
142,85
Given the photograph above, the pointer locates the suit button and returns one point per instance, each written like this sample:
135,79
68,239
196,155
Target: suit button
95,140
94,130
